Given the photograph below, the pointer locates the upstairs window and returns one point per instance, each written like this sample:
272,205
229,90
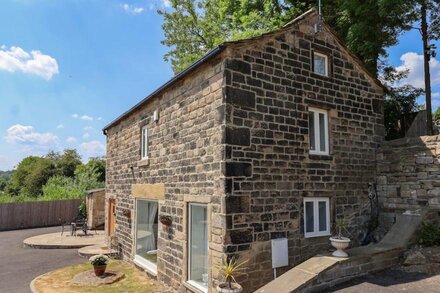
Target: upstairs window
318,131
316,217
144,143
320,64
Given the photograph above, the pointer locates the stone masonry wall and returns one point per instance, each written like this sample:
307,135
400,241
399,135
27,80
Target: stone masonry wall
269,87
185,154
408,175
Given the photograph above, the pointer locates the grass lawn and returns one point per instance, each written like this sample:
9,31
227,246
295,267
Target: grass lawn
134,281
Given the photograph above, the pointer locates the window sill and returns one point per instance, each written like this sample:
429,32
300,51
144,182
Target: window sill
318,75
147,267
317,236
320,157
194,287
144,162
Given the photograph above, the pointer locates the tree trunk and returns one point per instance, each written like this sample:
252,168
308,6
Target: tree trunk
426,57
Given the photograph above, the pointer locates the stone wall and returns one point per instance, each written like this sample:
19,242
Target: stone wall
234,134
95,202
408,175
269,87
185,154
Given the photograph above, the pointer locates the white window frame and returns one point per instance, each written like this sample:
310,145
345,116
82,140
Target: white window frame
144,143
326,63
140,261
316,232
189,281
317,150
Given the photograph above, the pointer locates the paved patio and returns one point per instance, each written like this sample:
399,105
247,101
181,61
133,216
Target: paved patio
19,265
56,240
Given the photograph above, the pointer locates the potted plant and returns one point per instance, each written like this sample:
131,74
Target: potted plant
165,220
231,267
99,263
339,242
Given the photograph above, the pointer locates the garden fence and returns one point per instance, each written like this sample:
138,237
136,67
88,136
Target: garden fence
21,215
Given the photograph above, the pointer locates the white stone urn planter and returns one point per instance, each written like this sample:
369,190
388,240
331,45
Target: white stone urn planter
224,288
340,243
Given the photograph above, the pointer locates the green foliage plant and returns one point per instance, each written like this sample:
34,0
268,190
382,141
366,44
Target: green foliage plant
429,234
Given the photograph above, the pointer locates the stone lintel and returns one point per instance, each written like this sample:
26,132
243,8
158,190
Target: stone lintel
148,191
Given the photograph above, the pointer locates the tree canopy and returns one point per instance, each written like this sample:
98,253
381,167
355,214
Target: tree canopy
54,176
192,27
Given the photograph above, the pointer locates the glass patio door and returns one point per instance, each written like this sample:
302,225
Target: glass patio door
146,233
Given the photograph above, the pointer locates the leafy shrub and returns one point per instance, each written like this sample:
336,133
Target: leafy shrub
429,235
82,210
61,187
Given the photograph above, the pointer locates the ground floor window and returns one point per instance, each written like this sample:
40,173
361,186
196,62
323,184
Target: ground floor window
146,233
316,216
198,246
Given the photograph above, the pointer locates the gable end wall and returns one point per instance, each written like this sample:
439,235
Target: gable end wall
269,87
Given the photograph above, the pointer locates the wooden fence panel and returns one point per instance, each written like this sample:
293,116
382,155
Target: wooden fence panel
22,215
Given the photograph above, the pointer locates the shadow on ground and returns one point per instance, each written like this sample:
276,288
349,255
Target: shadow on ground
393,280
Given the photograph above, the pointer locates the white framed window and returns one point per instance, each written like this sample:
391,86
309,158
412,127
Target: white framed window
198,246
316,217
320,63
146,228
318,131
144,143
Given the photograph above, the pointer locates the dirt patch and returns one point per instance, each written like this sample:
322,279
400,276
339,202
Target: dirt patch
89,278
134,281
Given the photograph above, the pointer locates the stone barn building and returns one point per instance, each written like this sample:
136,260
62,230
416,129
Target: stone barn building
272,137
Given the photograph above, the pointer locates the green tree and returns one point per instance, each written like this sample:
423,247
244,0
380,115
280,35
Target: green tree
87,176
30,176
65,163
4,179
400,103
94,165
436,114
61,187
192,27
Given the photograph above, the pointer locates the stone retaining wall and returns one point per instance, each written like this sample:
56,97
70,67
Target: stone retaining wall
354,267
408,175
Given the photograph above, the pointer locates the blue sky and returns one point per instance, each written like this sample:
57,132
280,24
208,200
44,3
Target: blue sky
67,68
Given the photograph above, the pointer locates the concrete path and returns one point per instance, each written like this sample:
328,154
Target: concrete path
88,251
391,281
20,265
56,240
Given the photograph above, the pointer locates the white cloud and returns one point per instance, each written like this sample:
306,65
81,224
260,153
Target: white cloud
83,117
435,95
71,140
88,128
414,63
60,126
131,9
36,63
86,135
86,117
26,135
166,3
92,149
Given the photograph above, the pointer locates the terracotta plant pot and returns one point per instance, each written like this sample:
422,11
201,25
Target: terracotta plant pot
340,244
166,220
235,288
99,270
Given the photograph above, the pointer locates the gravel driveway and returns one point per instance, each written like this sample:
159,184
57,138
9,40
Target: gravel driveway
20,265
